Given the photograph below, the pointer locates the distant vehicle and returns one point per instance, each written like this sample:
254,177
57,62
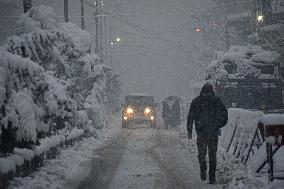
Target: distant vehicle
139,109
171,112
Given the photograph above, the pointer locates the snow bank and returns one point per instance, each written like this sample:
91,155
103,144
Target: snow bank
258,158
238,134
237,137
278,160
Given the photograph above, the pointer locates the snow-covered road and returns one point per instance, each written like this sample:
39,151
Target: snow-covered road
144,158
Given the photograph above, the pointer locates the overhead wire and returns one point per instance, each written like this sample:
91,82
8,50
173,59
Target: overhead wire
157,12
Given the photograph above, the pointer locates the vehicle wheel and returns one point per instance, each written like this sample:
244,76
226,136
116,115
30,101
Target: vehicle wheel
153,125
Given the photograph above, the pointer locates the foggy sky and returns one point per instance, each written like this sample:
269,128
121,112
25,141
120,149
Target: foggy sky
159,57
167,63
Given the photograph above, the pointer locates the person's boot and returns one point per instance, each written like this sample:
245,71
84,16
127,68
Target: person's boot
212,180
203,174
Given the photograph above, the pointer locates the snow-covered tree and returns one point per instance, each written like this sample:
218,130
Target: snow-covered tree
49,78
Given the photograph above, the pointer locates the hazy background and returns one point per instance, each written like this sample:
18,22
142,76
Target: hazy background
159,52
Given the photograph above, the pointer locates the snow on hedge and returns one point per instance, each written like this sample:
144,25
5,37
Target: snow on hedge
83,119
25,115
81,38
47,143
49,84
7,165
21,75
36,19
25,153
75,133
23,82
245,61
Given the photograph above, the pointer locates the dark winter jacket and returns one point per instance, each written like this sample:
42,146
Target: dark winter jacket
207,112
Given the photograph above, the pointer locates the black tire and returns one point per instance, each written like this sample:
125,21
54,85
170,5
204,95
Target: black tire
153,125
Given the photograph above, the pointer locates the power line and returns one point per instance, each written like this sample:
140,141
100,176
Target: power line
178,10
152,12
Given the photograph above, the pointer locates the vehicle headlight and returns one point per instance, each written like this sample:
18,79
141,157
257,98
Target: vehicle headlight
125,118
152,118
147,110
129,111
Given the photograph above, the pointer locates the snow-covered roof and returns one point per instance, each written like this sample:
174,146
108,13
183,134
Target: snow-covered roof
273,119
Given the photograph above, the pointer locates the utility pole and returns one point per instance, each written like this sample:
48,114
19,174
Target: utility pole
97,27
27,5
110,44
66,11
105,40
101,32
83,26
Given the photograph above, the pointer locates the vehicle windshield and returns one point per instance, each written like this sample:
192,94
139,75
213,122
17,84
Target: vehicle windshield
139,100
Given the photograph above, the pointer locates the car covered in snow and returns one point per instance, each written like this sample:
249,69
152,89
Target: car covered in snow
139,109
247,77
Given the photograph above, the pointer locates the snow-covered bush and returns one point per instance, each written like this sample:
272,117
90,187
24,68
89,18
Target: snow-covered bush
32,100
48,79
64,49
22,77
100,87
47,48
83,119
113,90
244,62
95,104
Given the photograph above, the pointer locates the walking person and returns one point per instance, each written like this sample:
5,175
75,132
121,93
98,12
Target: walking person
208,114
166,114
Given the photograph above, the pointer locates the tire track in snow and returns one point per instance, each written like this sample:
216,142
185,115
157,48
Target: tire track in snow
105,163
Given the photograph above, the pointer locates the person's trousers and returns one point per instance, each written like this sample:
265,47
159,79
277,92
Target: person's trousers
202,144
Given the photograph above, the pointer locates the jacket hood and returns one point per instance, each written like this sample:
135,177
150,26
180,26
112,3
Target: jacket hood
207,90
